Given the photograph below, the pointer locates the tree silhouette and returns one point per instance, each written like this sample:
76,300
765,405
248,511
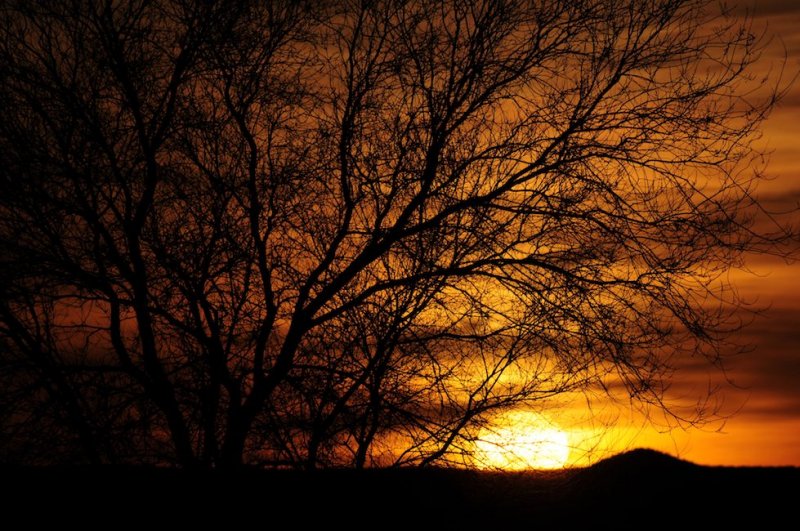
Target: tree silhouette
345,233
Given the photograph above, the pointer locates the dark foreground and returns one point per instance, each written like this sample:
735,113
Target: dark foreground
639,489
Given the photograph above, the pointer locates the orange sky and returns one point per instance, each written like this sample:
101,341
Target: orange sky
760,401
758,395
764,428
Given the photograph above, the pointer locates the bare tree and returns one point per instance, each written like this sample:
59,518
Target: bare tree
312,235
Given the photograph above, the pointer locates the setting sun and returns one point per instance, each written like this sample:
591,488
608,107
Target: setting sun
521,440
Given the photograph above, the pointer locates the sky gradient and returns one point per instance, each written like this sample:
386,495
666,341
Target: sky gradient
278,312
763,404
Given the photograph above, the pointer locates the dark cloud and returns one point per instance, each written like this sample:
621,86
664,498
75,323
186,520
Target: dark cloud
774,410
791,100
763,8
780,200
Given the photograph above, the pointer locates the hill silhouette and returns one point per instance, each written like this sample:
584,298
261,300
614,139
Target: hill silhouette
636,465
634,489
642,457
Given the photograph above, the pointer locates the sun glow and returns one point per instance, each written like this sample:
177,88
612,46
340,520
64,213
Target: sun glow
521,440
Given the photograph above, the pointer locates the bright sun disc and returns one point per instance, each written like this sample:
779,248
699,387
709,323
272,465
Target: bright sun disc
521,440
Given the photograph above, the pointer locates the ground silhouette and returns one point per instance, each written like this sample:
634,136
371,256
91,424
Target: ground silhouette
634,489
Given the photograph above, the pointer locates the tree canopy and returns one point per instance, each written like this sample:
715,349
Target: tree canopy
347,233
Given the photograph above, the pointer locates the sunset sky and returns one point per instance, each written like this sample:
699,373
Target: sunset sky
764,405
403,234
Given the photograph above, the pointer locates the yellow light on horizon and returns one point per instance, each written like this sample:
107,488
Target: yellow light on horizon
521,440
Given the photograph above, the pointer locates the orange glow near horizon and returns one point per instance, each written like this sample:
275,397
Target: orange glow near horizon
759,414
